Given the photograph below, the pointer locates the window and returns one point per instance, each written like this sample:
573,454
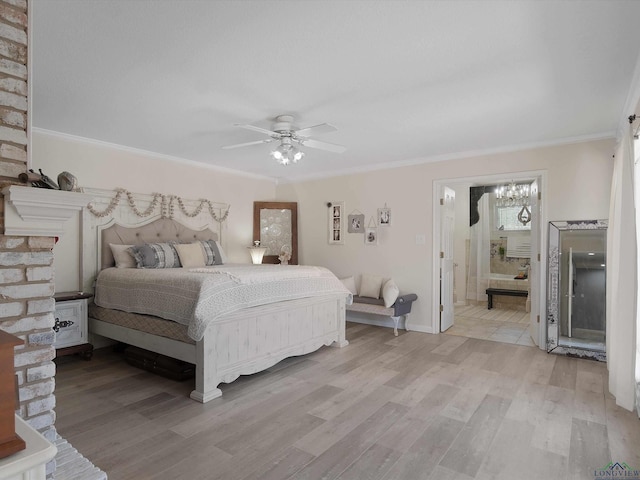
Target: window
507,219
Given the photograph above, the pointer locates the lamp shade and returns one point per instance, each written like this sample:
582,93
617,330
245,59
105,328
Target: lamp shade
256,254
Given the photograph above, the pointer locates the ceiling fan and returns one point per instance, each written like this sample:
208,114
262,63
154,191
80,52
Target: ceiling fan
284,132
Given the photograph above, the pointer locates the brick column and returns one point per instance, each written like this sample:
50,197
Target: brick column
26,271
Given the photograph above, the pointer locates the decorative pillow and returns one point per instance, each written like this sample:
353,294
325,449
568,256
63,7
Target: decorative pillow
213,253
156,255
223,255
122,256
350,284
390,293
370,286
190,254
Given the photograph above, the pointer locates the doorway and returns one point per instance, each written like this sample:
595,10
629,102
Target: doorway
512,326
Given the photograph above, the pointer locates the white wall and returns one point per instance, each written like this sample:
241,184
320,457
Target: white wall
578,187
108,167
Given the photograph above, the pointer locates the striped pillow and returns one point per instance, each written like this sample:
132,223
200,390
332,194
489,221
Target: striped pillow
212,253
156,255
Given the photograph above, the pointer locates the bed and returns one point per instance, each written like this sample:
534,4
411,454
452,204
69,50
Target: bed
275,318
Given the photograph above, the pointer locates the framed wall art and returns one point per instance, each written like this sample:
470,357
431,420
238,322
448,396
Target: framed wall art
355,223
371,236
384,216
336,223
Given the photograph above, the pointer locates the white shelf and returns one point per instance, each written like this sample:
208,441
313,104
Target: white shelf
40,212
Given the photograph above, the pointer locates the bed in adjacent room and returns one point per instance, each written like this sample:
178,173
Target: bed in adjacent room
228,320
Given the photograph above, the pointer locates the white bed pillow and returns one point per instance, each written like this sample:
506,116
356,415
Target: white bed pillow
370,286
190,255
350,284
390,293
122,256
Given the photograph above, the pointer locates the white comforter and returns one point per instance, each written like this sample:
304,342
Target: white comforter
198,296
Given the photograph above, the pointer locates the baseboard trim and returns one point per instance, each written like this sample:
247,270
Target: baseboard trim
420,328
378,322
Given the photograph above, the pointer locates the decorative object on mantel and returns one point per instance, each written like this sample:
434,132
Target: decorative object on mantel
167,206
68,182
336,223
10,442
371,233
39,180
355,222
384,216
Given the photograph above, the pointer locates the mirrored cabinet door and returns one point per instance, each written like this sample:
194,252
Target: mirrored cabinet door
576,319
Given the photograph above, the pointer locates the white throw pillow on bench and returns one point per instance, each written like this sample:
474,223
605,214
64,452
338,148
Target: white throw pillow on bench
350,284
390,292
370,286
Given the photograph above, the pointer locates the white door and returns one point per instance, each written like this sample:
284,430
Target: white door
534,266
447,228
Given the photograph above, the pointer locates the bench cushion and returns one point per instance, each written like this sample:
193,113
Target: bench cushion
370,305
367,300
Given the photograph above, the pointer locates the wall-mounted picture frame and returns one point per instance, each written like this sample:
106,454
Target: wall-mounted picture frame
371,236
336,218
355,223
384,217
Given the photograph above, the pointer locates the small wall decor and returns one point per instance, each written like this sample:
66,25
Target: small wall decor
371,236
384,216
336,223
371,233
355,222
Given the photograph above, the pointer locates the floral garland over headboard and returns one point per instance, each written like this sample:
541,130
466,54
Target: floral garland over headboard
167,206
136,209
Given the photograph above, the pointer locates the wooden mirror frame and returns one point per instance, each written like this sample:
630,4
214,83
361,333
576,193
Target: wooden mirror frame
293,206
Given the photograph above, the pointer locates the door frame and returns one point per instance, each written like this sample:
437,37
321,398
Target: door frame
541,177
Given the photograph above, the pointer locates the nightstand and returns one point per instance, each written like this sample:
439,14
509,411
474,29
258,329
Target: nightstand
71,324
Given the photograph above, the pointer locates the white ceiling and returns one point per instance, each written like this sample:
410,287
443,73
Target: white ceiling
403,81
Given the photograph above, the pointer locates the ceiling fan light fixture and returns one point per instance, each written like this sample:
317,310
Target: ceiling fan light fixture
296,154
286,153
284,131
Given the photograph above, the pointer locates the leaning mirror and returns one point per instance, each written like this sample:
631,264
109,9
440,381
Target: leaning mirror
275,225
576,288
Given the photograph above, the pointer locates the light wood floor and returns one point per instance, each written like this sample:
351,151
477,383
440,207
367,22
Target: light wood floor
412,407
500,325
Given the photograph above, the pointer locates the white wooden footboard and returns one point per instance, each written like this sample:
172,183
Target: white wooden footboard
252,340
247,341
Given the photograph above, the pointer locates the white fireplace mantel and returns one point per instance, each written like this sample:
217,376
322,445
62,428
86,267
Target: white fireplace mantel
40,212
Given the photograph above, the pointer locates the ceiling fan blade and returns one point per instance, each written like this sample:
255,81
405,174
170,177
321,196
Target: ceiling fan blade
257,142
319,129
331,147
258,129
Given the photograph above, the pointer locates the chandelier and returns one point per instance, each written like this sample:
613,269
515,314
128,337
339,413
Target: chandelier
286,153
512,195
515,195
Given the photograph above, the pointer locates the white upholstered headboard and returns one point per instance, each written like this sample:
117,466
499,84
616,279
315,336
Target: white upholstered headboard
161,230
